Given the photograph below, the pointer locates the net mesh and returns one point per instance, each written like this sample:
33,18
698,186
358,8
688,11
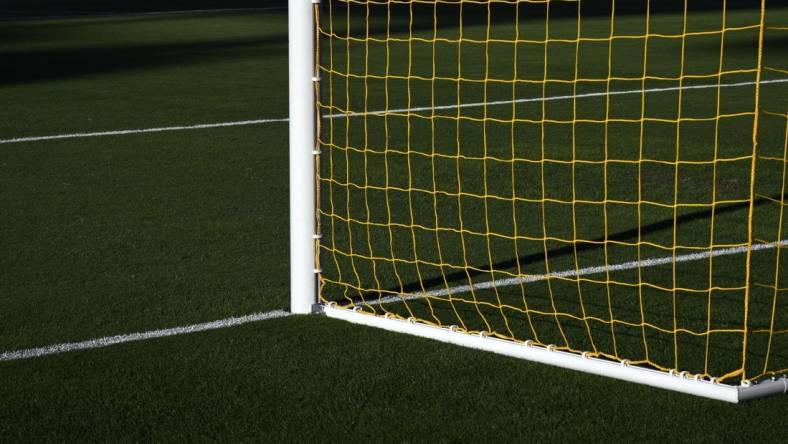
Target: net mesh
604,177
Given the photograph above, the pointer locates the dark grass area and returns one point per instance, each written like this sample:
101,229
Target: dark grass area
108,235
122,234
111,235
115,73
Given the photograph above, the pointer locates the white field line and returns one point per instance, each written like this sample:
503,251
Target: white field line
230,322
141,131
120,339
380,112
645,263
135,14
191,11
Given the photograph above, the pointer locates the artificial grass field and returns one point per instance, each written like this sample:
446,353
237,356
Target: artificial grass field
129,233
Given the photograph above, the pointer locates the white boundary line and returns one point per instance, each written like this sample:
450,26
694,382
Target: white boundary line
381,112
187,11
89,15
133,337
231,322
141,131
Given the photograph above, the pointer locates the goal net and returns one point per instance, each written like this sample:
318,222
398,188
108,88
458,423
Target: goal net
597,179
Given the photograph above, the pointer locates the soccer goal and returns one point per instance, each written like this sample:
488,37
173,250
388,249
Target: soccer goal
598,186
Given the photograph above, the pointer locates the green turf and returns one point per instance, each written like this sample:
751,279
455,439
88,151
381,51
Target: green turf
316,379
107,235
112,235
130,233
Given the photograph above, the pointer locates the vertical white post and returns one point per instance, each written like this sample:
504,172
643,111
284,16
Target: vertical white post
301,25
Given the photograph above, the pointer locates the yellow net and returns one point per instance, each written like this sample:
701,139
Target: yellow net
605,177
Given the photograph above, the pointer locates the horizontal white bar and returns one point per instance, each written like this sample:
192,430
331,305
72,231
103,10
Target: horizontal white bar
568,360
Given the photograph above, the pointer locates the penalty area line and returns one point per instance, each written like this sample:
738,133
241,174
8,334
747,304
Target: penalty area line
256,317
383,112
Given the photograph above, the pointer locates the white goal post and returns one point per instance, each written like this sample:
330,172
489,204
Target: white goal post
301,50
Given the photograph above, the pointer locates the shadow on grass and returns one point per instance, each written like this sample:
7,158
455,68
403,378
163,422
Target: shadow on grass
465,275
45,65
419,16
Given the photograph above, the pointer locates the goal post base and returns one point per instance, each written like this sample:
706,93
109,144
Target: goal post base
596,366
